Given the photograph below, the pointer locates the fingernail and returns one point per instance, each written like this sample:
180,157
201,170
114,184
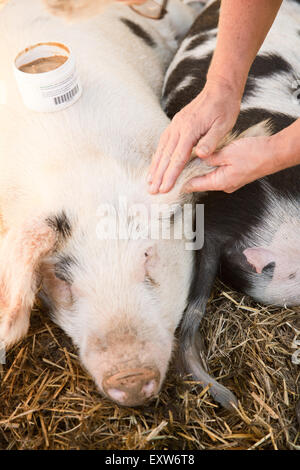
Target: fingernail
204,150
162,188
153,188
149,178
185,189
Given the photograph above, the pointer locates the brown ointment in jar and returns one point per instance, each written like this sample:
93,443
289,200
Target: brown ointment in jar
46,76
44,64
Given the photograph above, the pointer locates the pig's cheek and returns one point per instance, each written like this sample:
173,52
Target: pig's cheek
92,363
65,294
76,291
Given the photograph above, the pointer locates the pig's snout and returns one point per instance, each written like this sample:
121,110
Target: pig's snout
132,387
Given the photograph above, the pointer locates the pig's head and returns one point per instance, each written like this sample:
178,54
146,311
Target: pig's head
120,300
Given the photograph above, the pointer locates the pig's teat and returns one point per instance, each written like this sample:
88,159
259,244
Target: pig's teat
132,387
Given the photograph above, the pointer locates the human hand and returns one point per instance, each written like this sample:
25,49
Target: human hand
202,123
241,162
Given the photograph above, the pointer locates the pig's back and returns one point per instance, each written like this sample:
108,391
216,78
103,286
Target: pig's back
118,116
257,215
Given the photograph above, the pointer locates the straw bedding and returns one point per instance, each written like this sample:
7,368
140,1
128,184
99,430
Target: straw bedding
47,401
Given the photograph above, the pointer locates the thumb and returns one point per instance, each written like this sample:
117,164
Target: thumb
208,144
202,183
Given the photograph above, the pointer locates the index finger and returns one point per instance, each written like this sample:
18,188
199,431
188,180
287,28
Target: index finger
158,154
180,157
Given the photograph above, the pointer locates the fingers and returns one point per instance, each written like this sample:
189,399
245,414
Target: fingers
218,159
158,154
177,162
208,117
208,144
199,184
210,182
174,151
161,160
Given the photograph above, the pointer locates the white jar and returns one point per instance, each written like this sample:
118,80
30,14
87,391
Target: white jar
49,91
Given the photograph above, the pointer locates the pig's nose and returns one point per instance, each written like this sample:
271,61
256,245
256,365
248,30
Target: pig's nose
132,387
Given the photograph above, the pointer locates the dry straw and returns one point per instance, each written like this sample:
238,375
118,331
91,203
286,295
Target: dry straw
47,401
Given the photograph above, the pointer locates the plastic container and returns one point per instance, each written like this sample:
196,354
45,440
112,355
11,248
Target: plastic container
54,89
153,9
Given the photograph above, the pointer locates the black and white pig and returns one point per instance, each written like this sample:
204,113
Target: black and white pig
251,236
120,300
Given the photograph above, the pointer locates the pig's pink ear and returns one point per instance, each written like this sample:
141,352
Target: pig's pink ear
259,257
21,251
195,167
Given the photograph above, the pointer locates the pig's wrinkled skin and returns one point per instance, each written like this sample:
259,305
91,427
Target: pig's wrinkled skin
119,300
251,236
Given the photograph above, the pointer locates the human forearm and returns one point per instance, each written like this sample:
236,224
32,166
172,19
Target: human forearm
243,26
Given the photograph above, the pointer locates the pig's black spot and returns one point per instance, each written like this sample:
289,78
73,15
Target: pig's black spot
198,41
61,224
139,31
266,65
292,276
207,20
268,270
189,67
263,66
63,268
253,116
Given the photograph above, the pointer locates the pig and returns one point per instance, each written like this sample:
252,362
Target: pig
119,299
252,235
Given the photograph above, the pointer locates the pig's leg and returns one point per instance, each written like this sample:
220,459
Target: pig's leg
21,250
207,265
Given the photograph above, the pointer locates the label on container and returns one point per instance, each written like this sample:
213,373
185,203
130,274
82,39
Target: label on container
47,78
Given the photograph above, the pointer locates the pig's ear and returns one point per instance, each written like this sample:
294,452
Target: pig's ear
195,167
21,251
259,257
263,128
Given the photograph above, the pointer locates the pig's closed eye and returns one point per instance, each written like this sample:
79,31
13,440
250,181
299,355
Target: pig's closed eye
150,281
150,261
61,276
63,268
